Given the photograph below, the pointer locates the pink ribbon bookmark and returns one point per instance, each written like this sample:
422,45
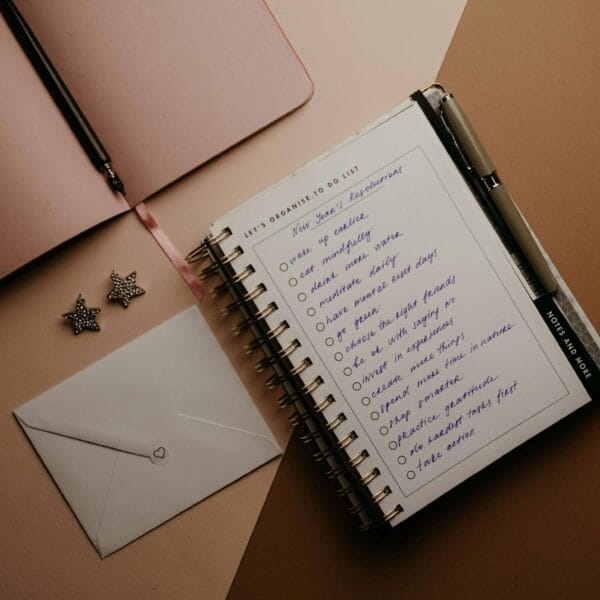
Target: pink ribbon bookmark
170,250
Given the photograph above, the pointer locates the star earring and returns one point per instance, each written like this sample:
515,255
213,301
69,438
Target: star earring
83,317
124,289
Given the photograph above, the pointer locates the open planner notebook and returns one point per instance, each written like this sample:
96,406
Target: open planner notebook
390,311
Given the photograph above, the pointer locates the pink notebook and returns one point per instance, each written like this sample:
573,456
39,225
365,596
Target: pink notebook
166,86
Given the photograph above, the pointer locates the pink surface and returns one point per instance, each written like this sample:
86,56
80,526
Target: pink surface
167,86
364,57
50,190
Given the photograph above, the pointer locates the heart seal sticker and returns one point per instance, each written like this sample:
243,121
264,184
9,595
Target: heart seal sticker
160,456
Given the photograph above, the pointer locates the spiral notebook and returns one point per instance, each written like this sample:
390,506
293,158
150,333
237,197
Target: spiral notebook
411,341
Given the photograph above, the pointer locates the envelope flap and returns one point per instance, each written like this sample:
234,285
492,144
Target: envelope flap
136,438
147,431
123,401
82,471
203,457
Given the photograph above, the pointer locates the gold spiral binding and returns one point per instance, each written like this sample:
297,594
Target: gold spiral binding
309,388
327,401
356,460
214,268
354,510
269,335
312,436
363,506
237,278
286,400
346,490
375,499
347,440
308,411
353,462
247,297
337,421
365,480
202,250
266,362
329,426
388,516
262,314
276,380
370,476
341,444
297,418
381,494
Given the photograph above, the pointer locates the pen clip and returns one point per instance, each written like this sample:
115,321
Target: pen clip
467,163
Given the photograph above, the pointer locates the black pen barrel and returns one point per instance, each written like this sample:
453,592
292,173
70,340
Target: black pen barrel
55,85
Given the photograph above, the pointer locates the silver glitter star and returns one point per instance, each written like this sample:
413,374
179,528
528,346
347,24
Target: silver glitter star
82,317
124,289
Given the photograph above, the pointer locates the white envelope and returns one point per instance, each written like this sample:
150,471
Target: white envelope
147,431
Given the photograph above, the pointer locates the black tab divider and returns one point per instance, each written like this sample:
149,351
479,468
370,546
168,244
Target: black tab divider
571,345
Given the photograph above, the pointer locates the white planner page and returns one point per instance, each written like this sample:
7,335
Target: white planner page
388,273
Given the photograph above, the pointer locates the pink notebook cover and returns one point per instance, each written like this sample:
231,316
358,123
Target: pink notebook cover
166,86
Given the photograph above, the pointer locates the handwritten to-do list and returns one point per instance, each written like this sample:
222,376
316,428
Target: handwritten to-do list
390,292
415,329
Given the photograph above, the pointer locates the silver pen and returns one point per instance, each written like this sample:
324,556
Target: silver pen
481,163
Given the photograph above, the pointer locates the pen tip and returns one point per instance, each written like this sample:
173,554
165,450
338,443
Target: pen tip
113,179
116,183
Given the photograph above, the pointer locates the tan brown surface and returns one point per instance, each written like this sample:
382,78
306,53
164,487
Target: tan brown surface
526,527
43,551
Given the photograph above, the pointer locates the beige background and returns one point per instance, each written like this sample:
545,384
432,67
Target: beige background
364,58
